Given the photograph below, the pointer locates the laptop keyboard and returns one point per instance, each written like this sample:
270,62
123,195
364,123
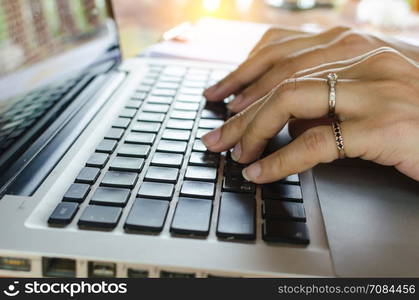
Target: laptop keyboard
153,151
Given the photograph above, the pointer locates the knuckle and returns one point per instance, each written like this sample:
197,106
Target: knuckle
235,123
253,132
351,38
384,57
270,32
339,29
314,140
276,165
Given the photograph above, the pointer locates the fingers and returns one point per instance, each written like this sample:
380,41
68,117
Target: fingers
277,34
317,145
303,99
258,64
286,67
232,129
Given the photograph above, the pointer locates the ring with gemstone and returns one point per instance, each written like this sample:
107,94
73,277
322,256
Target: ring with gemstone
332,80
339,139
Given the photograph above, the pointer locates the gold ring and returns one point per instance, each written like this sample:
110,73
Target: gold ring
332,80
339,139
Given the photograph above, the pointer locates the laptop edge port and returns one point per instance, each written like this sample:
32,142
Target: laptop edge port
101,269
15,264
135,273
58,267
167,274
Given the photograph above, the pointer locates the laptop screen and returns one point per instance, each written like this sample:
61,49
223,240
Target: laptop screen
49,51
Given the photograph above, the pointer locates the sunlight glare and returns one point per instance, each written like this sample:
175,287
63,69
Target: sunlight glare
211,5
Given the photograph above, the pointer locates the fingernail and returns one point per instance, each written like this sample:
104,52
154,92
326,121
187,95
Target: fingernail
235,102
237,152
211,90
252,172
212,137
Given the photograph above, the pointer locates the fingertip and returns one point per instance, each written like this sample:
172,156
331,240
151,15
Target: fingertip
253,172
211,138
210,92
234,105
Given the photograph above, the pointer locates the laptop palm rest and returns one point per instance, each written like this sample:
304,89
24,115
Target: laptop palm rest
371,215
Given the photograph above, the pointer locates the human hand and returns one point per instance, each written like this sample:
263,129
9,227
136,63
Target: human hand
283,52
377,103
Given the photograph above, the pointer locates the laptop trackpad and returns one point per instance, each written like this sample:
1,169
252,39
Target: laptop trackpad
371,215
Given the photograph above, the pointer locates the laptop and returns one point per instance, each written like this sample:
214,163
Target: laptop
103,173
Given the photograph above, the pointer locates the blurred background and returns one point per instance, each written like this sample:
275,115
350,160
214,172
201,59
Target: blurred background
143,22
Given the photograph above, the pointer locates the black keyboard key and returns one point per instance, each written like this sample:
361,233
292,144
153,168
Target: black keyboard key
210,123
212,114
180,124
189,98
188,106
236,216
167,85
151,117
285,232
285,210
128,113
170,78
162,174
201,173
199,146
144,88
98,216
119,179
64,213
172,146
201,132
106,146
122,163
174,71
204,159
88,175
183,115
176,134
147,215
148,81
77,192
192,217
156,190
191,91
167,159
110,196
159,99
155,108
163,92
140,138
133,103
152,127
198,189
238,185
138,95
280,191
291,179
97,160
132,150
233,169
194,84
114,134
